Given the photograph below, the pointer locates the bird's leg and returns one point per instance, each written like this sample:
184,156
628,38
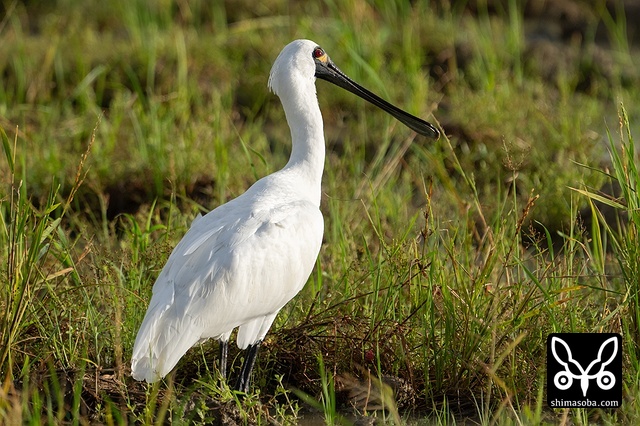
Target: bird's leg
242,384
224,349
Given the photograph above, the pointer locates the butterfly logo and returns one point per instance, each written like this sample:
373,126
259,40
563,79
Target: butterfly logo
573,370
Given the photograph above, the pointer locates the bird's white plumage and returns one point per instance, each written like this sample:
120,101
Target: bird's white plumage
241,263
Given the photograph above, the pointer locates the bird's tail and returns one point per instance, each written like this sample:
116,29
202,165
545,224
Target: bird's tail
162,340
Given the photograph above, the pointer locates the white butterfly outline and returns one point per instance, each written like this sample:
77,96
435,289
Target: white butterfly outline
584,377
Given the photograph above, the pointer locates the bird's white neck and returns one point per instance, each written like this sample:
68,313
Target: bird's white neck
307,152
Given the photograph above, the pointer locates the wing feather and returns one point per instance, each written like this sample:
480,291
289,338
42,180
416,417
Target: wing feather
225,273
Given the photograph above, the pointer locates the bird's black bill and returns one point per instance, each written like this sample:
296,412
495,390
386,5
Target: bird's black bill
329,72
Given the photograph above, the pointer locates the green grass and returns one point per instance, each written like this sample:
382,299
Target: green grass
444,267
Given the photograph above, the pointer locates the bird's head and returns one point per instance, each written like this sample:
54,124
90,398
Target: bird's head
294,64
301,61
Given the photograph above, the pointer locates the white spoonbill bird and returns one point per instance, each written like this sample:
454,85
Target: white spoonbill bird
238,265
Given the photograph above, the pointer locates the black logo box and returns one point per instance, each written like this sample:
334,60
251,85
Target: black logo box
584,370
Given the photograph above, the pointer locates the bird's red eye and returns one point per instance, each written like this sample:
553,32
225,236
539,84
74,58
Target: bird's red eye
318,52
